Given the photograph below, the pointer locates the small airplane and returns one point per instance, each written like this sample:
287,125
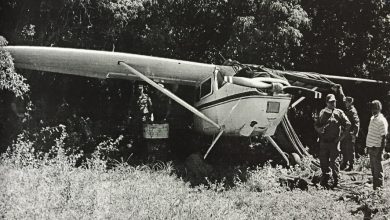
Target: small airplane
232,99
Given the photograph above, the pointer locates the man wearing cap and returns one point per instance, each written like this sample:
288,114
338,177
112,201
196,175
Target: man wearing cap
376,142
331,125
347,145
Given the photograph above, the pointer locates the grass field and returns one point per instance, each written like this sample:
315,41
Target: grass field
34,187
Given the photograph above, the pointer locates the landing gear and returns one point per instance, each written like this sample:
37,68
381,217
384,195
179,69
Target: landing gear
276,146
294,159
213,143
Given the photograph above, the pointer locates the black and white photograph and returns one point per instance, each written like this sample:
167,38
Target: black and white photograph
194,109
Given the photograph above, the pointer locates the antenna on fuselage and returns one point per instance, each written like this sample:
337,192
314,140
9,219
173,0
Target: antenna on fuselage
223,58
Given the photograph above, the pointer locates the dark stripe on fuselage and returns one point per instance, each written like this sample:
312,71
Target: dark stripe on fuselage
250,94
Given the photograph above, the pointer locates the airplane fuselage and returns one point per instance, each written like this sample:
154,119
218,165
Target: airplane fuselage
226,107
240,110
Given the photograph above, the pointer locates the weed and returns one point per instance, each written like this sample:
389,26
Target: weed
50,185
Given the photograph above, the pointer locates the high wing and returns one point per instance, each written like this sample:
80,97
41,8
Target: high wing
305,79
320,81
98,64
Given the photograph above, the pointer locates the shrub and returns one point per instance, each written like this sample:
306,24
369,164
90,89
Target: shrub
9,79
51,186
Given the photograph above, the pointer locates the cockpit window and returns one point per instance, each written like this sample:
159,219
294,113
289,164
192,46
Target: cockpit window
220,80
205,88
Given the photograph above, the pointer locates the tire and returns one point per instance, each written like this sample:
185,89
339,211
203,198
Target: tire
295,159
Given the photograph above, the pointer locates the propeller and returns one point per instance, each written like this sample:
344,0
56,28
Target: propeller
248,82
277,85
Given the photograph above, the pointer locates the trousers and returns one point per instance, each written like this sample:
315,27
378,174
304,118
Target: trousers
347,146
375,154
328,163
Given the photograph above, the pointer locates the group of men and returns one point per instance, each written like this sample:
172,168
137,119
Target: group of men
339,129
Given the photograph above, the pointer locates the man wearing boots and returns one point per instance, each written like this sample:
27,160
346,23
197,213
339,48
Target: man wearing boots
347,145
331,125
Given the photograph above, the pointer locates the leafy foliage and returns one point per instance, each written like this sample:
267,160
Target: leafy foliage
52,184
45,170
347,37
9,79
53,187
270,34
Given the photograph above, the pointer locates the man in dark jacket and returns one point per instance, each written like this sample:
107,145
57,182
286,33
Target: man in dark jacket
331,125
348,143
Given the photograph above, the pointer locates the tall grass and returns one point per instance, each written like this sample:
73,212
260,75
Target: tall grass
50,186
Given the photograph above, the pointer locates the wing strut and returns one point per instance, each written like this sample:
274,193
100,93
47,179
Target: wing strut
316,95
163,90
213,143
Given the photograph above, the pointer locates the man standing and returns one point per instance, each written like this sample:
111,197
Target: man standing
376,142
348,143
329,127
145,104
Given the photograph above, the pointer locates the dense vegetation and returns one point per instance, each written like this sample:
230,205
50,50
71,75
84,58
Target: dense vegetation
68,125
49,185
353,36
348,38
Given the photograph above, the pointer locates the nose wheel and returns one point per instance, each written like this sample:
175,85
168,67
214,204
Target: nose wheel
294,159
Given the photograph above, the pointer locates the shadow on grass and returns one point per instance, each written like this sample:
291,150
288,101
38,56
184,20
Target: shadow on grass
228,162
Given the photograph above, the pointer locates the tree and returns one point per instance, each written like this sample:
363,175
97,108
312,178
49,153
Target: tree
350,38
270,34
9,78
189,30
10,82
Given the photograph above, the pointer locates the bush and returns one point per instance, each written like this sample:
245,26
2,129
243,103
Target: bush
9,79
49,185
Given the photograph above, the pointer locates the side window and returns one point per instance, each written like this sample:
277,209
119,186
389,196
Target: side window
205,88
273,107
220,80
197,93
